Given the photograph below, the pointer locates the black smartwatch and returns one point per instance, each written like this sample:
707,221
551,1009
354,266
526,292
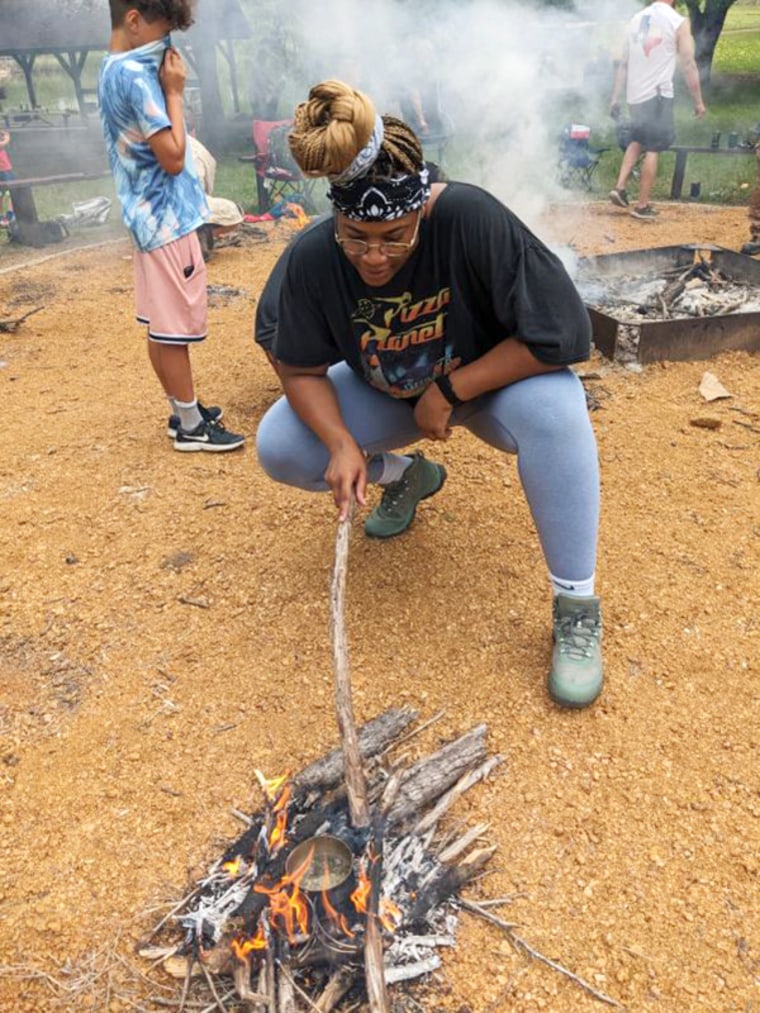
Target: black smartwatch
443,383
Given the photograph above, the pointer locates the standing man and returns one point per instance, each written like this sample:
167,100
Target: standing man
141,92
657,39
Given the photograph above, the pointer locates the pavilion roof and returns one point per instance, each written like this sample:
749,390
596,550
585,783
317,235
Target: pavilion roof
36,26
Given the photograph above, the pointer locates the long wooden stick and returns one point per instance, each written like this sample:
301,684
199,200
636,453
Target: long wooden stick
356,784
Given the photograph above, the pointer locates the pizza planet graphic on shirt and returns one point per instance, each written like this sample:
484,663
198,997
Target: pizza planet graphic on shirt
402,343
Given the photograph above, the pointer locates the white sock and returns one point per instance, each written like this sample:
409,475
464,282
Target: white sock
189,416
393,467
172,405
572,588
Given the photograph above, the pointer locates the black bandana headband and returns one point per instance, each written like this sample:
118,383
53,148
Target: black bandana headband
380,200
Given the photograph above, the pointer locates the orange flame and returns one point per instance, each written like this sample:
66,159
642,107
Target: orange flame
233,868
360,896
290,909
277,836
284,798
390,914
335,917
302,219
242,947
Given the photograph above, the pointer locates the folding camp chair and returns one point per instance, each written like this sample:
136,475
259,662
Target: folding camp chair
277,174
577,159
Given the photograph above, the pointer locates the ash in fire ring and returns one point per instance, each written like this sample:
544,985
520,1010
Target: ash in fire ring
415,308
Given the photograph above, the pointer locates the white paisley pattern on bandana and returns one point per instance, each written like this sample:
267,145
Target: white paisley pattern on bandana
381,200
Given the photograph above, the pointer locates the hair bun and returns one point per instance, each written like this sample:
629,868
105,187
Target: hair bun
331,128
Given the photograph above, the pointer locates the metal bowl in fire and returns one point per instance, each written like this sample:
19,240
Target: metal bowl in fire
320,863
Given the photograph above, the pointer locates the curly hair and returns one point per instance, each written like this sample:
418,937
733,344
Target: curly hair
334,124
179,13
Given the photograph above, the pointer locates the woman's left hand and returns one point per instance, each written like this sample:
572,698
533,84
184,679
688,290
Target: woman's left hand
432,414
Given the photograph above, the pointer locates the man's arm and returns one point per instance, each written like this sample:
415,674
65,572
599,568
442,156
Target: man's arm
621,72
168,145
689,69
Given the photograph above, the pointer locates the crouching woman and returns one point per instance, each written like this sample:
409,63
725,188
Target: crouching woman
415,309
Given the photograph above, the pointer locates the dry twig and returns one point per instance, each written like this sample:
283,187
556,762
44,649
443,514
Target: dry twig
520,944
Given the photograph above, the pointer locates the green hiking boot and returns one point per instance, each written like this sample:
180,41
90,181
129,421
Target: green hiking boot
396,509
575,676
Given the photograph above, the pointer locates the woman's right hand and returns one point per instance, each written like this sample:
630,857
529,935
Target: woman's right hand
346,474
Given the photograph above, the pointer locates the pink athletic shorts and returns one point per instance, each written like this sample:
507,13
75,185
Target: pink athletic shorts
170,291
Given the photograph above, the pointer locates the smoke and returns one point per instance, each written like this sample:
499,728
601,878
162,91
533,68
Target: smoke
507,76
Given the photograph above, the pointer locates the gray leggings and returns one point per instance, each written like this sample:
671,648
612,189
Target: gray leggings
544,420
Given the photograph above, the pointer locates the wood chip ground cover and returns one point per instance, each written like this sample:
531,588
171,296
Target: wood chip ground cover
132,716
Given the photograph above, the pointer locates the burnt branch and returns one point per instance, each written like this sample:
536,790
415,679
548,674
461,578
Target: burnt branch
424,782
374,737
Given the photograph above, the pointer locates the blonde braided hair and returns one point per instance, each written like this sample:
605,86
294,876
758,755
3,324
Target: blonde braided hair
336,122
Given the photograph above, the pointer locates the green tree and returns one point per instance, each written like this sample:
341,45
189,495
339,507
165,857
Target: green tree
707,20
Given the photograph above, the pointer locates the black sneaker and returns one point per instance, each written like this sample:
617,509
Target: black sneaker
751,249
619,197
645,214
211,414
208,436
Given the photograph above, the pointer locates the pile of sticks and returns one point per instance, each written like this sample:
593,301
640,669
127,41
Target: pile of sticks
423,867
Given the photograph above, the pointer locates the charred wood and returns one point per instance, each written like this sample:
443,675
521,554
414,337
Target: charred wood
341,982
374,737
447,882
446,801
431,777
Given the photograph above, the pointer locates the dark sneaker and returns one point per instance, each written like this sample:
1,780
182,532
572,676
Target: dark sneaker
619,197
208,436
397,507
211,414
751,249
645,214
575,676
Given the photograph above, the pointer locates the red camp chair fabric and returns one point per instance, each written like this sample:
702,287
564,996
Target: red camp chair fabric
277,174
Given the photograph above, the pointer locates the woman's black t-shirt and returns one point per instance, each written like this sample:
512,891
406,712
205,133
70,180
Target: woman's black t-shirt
478,276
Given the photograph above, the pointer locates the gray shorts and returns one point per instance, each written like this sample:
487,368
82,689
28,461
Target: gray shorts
653,124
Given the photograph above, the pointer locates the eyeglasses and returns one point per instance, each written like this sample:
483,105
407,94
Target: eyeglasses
392,250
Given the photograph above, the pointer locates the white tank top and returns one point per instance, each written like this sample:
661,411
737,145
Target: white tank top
652,52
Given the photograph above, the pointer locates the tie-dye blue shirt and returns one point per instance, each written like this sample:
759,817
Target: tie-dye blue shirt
157,207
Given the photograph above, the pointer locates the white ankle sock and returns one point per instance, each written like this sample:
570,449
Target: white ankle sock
393,467
189,415
572,588
172,405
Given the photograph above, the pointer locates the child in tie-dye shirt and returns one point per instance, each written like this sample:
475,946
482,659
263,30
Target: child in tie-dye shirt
141,91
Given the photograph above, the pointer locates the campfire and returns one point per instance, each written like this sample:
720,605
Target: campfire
283,915
343,876
683,302
348,876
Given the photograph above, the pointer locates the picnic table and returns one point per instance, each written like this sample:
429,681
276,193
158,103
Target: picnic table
682,153
22,190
